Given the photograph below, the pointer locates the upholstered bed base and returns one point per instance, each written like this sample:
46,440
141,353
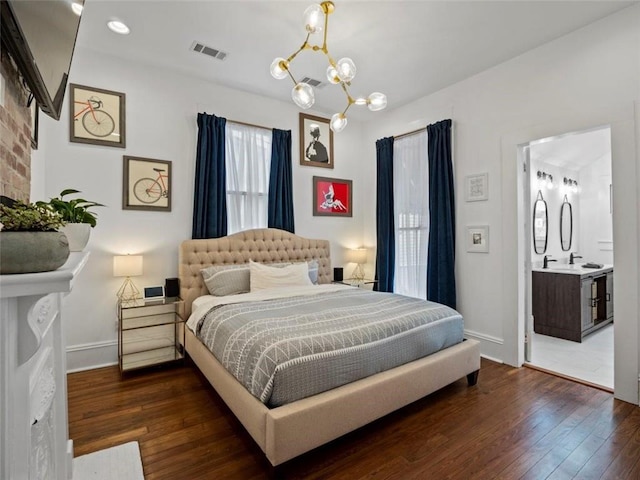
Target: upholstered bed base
293,429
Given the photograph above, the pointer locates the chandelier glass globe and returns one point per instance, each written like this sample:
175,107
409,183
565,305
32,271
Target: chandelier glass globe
303,96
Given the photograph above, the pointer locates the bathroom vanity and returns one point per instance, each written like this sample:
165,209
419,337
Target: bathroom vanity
570,301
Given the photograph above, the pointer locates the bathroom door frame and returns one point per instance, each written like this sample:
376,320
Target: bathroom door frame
624,121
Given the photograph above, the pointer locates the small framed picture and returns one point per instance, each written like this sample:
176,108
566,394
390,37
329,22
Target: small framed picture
478,239
332,197
96,116
477,187
316,141
146,184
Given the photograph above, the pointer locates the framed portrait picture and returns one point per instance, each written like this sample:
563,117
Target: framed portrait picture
33,107
478,239
146,184
332,197
477,187
316,141
96,116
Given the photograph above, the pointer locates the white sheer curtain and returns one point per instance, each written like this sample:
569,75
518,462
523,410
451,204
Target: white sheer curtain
411,210
248,163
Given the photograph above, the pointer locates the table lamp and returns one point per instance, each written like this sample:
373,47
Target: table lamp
127,266
359,257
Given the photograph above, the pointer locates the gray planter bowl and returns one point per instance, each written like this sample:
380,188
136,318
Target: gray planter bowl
32,252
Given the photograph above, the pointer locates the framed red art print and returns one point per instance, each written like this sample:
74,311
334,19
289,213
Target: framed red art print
332,197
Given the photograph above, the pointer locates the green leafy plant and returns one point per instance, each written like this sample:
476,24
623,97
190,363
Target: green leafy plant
73,211
30,217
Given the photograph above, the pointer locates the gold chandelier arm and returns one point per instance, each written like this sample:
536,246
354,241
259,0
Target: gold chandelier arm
304,46
327,11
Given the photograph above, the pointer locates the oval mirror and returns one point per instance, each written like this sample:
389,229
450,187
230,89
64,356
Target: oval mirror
540,229
566,225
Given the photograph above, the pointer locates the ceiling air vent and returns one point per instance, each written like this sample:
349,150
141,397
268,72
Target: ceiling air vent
313,82
205,50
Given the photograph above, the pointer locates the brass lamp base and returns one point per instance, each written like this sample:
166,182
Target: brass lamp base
128,291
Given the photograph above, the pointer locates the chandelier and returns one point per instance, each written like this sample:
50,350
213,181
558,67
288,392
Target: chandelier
338,73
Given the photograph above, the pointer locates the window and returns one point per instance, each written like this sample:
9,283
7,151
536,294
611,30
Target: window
411,205
248,164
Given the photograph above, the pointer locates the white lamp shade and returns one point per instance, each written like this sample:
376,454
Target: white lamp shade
127,265
357,255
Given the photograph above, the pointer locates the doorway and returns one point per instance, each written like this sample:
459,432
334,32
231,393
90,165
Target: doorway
569,256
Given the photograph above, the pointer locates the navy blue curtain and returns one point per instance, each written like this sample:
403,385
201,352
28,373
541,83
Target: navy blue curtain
385,229
210,196
441,281
280,214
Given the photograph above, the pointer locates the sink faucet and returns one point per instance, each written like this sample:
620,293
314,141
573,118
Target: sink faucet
572,257
546,260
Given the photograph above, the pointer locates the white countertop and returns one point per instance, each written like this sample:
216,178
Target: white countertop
576,269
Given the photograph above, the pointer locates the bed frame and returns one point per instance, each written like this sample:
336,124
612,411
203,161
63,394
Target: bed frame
293,429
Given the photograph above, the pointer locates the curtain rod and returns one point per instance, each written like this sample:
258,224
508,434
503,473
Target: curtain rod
402,135
250,124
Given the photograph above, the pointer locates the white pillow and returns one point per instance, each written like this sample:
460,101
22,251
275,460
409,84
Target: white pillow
264,276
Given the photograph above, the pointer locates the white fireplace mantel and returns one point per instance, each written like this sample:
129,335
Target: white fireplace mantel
34,433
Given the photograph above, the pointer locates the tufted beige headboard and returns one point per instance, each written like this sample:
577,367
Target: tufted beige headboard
265,245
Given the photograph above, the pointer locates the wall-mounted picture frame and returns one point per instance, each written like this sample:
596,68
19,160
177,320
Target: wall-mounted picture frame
35,116
146,184
316,141
96,116
478,238
332,197
477,187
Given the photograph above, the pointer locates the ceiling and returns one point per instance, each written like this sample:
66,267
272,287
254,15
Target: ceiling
573,151
405,49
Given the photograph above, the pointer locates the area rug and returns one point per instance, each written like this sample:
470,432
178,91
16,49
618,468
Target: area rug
122,462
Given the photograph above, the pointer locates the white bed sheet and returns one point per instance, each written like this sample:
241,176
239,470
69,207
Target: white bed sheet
203,304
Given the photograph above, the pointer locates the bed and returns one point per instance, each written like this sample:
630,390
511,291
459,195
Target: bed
286,431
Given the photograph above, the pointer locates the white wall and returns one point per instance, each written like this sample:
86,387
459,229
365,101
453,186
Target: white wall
588,78
161,112
596,236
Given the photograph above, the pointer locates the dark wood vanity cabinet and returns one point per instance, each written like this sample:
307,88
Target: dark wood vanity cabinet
570,306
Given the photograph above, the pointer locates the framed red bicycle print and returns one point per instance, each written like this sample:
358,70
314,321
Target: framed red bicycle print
96,116
146,184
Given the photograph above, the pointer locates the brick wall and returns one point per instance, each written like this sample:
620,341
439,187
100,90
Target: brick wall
15,135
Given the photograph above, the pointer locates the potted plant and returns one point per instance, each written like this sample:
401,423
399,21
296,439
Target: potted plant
79,220
30,240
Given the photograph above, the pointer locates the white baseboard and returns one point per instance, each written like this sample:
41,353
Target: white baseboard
92,355
491,347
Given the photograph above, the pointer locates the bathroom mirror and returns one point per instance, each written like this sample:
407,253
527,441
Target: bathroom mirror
566,225
540,221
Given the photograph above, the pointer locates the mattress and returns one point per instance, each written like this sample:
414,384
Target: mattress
288,344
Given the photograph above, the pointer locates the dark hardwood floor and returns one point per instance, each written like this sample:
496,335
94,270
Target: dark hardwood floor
515,423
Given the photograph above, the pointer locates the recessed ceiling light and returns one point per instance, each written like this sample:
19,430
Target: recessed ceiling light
77,8
118,27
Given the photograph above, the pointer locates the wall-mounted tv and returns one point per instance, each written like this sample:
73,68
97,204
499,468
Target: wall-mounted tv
40,36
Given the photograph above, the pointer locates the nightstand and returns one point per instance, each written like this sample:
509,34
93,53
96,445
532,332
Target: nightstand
366,283
149,333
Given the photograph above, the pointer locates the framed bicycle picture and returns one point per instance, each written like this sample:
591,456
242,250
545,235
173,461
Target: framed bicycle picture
146,184
96,116
332,197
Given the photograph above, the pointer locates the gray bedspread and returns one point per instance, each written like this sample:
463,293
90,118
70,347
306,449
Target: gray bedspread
283,350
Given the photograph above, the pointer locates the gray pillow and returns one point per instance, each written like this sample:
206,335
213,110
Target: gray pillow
227,279
224,280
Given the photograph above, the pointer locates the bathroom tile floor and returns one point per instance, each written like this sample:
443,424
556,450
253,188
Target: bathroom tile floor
590,361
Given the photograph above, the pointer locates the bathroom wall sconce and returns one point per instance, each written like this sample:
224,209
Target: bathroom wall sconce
545,179
570,185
